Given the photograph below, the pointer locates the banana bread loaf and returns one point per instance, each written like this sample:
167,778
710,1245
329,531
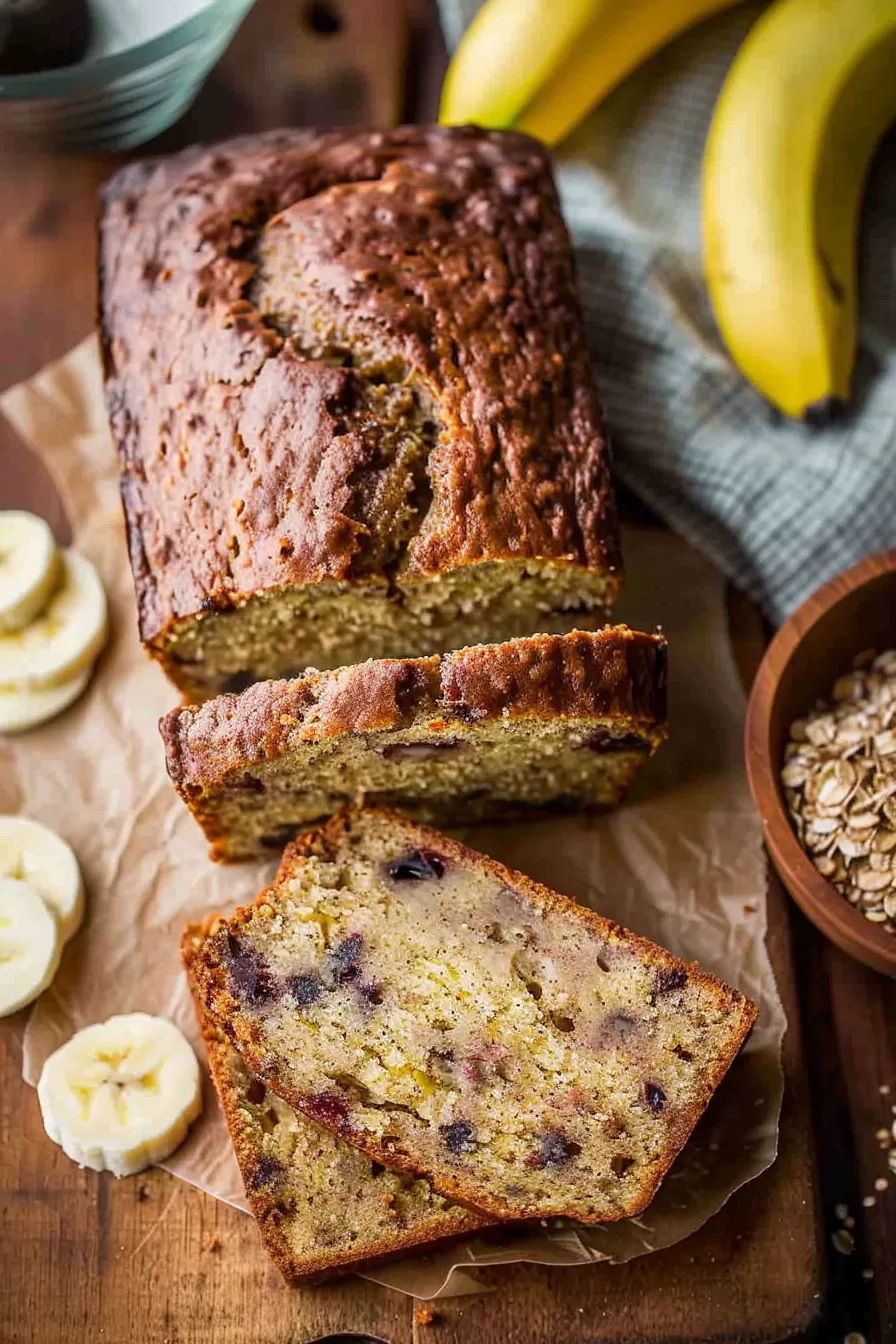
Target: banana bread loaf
347,377
452,1018
555,720
322,1207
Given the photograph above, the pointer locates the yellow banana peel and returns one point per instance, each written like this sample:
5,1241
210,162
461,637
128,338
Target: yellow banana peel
810,92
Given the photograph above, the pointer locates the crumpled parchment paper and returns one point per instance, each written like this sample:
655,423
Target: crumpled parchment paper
681,861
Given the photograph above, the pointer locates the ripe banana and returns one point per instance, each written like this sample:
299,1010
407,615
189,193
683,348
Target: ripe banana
508,52
121,1094
541,66
29,945
808,96
66,637
34,854
29,568
21,708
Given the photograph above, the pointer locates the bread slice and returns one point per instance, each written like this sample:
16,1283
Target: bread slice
452,1018
491,731
322,1207
347,375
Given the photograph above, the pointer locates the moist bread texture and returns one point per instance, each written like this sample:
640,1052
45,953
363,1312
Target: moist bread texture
452,1018
559,721
347,376
322,1207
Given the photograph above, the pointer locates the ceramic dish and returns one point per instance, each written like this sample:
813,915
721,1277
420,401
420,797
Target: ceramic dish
117,100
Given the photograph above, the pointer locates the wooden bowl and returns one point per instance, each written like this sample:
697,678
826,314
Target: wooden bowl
816,645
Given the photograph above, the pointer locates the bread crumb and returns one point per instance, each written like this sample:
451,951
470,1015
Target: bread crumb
142,1193
425,1316
213,1243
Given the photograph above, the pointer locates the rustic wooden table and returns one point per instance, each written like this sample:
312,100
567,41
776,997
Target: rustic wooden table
85,1258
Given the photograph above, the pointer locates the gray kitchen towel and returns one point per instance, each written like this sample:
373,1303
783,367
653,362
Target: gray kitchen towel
777,506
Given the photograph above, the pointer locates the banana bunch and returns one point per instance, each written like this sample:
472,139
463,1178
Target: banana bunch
53,623
540,65
805,102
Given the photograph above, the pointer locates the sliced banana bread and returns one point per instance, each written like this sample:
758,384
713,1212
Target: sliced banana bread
555,720
452,1018
348,378
322,1207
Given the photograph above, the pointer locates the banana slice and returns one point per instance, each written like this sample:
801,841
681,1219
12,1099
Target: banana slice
65,638
21,709
122,1094
29,945
29,568
36,855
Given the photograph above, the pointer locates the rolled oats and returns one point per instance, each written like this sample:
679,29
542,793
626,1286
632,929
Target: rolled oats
867,879
839,782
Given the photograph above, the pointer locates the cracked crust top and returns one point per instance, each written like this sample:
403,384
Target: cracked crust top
237,284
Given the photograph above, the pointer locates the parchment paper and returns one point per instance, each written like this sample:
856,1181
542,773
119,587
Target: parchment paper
681,861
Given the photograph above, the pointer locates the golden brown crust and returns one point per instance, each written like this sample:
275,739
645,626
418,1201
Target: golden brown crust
212,985
615,672
244,465
441,1228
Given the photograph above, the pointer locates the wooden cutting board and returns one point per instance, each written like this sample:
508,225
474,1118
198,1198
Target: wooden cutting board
86,1258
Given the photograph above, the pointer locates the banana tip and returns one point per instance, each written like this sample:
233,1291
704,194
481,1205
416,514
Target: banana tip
823,412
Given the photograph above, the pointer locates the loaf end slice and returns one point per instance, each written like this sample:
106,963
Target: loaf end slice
322,1207
450,1017
489,732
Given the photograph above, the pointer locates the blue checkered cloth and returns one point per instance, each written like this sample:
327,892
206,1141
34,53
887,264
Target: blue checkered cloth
777,506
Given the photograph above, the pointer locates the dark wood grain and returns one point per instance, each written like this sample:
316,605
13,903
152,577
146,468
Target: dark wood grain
814,646
86,1258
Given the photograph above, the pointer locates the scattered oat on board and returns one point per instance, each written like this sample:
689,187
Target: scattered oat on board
839,780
